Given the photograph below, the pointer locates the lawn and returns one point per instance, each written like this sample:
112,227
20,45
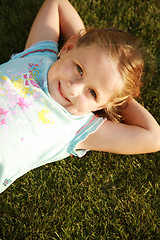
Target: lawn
102,195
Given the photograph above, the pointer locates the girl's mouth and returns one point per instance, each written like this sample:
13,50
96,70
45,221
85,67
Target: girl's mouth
62,92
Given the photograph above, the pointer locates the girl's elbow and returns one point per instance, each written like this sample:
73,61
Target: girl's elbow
158,144
156,141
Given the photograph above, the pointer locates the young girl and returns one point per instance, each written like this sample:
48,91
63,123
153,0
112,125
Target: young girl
51,108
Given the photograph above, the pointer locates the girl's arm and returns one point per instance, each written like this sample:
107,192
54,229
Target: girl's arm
54,16
139,134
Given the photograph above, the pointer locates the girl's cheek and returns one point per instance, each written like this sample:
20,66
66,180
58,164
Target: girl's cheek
84,104
67,74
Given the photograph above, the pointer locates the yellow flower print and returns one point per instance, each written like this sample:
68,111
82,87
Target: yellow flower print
19,84
34,74
42,115
3,77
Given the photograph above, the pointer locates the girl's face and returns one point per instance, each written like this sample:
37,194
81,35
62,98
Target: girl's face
84,79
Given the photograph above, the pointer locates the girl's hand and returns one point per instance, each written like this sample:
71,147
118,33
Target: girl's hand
53,18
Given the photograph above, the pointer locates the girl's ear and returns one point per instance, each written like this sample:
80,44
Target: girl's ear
71,43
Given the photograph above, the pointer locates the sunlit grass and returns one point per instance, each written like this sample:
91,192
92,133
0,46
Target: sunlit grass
101,196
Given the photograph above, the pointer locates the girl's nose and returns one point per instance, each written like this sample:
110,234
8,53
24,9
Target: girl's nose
75,87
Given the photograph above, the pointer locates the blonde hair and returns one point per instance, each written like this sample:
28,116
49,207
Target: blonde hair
127,52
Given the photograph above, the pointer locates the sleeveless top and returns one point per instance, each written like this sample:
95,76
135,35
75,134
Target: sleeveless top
34,128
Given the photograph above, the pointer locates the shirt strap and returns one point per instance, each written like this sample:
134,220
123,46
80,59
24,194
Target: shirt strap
89,128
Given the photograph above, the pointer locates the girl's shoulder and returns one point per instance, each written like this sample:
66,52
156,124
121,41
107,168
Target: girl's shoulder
49,48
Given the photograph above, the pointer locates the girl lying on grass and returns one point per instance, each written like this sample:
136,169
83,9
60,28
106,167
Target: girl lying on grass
52,108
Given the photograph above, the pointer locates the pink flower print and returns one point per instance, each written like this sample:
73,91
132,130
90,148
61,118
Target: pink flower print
32,66
26,83
25,76
3,112
22,103
34,83
3,121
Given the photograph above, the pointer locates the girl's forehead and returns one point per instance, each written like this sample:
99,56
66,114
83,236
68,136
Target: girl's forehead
94,55
99,63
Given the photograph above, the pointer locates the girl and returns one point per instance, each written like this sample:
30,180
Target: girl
53,108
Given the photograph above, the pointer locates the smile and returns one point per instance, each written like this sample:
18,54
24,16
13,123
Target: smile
62,92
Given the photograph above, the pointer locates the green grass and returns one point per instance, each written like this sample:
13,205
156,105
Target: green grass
101,196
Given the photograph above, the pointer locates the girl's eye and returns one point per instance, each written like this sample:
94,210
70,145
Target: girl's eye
80,70
93,93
